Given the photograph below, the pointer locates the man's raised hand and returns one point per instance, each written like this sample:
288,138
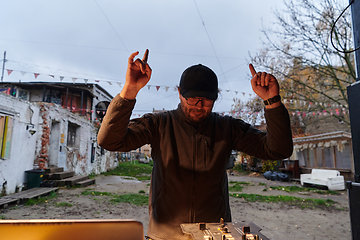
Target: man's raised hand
263,84
137,75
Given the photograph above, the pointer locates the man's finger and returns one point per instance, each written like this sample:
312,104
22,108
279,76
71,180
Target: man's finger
146,55
252,70
132,56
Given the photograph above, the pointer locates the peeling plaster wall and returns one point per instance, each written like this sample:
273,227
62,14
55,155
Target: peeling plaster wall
22,154
72,158
48,146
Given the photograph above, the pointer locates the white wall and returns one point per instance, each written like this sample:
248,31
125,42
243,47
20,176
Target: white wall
27,149
22,154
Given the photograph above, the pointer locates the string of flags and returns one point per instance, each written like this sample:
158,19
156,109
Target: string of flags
110,82
328,108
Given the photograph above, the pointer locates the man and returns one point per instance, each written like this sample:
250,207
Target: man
191,145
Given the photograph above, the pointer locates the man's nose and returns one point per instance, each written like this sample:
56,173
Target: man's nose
197,104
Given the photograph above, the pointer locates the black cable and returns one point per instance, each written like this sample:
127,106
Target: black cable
333,28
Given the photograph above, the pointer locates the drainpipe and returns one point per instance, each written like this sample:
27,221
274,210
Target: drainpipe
354,106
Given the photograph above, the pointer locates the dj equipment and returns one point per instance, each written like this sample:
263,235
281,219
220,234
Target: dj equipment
223,231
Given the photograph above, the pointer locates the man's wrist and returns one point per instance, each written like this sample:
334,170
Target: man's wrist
272,100
129,93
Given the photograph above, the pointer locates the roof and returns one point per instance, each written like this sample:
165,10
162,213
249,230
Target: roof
338,139
58,86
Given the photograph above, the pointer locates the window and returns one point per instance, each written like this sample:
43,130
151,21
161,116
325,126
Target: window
73,137
343,158
329,157
23,94
311,157
319,157
6,123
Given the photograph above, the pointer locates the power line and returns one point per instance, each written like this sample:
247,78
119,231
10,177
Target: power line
111,25
212,46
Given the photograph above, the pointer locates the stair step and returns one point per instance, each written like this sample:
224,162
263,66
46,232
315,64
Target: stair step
71,181
85,183
54,169
62,175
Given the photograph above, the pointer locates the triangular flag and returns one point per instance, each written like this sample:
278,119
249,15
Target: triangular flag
109,83
149,87
23,73
74,80
52,76
157,88
166,89
9,71
97,81
119,83
86,80
236,92
36,75
61,78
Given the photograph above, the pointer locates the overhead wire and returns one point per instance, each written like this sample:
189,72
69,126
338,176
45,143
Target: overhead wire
107,19
333,29
212,45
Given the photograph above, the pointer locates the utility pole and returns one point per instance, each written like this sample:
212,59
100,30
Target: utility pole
3,68
354,106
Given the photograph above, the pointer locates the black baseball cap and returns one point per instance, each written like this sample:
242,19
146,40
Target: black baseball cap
199,81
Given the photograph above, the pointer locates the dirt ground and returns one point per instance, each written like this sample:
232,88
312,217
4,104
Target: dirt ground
278,221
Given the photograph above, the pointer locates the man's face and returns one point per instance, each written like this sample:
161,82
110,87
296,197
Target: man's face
197,113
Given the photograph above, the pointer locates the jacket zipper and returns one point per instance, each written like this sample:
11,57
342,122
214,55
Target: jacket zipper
192,211
206,146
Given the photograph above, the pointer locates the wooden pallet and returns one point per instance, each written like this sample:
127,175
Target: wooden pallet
24,196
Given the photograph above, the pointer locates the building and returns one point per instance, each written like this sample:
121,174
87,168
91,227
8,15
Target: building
327,151
51,124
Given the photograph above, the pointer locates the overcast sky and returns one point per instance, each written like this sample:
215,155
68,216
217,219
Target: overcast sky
92,39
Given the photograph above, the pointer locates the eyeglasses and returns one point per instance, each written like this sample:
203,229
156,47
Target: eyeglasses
193,101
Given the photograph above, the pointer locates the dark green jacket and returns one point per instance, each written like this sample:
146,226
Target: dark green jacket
189,180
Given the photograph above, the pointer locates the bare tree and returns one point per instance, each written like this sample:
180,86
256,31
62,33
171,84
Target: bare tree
251,111
313,75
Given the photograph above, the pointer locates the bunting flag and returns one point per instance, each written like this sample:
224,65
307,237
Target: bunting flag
326,108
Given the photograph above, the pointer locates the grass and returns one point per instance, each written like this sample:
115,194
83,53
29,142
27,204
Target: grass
64,204
136,199
135,169
237,186
35,201
304,189
293,201
96,193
